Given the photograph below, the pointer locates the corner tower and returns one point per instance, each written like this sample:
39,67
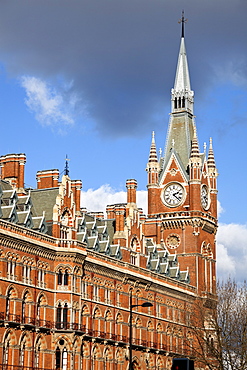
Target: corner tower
182,190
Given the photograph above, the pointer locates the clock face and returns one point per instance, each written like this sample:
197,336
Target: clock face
204,196
172,241
173,194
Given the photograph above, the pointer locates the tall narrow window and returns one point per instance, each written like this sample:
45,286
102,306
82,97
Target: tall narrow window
6,352
64,359
65,315
66,278
59,315
8,304
60,278
58,358
176,103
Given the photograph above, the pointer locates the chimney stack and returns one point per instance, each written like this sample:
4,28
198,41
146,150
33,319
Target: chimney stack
47,179
131,186
12,169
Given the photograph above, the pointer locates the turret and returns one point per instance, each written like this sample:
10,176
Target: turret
153,166
213,174
195,161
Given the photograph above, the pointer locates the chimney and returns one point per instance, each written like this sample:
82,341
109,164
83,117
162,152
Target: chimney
131,186
110,211
120,213
12,169
47,179
76,186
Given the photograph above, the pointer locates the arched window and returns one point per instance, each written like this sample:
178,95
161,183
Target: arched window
61,356
59,316
183,102
62,316
24,308
65,316
37,357
175,103
66,278
6,351
60,277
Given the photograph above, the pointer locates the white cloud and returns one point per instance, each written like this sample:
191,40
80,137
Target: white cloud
49,106
220,209
97,200
232,251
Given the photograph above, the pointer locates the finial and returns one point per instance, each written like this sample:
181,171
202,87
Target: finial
183,21
160,152
205,147
66,170
153,135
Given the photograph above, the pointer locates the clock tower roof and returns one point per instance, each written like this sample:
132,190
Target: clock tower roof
181,127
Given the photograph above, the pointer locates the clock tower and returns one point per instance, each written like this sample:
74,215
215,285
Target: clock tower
182,191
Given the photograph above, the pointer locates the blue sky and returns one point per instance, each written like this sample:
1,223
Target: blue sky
92,79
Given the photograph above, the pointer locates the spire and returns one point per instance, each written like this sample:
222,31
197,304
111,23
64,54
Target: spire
153,153
212,170
194,146
153,166
181,127
211,161
182,80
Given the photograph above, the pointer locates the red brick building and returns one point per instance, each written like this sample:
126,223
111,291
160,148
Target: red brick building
67,275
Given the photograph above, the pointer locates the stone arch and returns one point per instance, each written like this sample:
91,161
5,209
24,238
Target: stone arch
26,307
85,314
9,342
136,363
10,308
97,312
135,244
26,338
119,355
10,336
97,318
150,325
150,332
138,322
11,291
108,315
27,295
119,317
159,327
62,340
209,251
119,325
62,348
39,347
42,297
96,352
108,353
108,322
40,341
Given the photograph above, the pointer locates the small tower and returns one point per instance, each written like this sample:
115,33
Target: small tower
213,174
153,169
195,168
